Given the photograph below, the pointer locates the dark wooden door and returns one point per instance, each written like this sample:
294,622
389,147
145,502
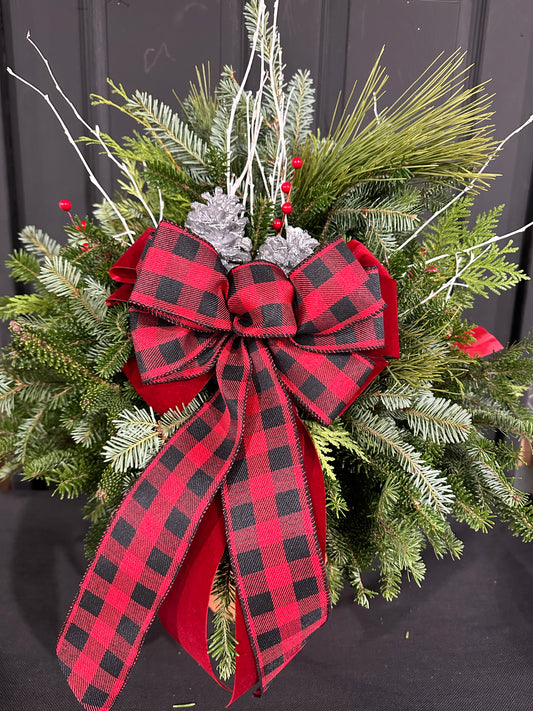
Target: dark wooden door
155,46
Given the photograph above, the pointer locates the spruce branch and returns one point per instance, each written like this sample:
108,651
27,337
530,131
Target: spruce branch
200,105
38,243
31,431
341,562
383,437
24,266
300,110
139,435
438,420
173,134
136,440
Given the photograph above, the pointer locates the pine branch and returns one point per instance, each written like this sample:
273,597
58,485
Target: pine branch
427,132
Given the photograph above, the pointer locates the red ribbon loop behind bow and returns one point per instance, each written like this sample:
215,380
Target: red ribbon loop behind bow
314,339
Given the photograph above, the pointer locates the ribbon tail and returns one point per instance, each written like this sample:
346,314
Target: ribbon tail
184,610
484,344
246,672
275,554
147,541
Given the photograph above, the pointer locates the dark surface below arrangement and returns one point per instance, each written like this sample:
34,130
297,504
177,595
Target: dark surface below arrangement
463,642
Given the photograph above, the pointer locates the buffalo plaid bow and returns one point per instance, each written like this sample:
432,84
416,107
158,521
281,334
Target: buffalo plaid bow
242,471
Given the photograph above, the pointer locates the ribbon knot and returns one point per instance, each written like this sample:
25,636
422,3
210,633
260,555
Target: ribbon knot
242,472
260,297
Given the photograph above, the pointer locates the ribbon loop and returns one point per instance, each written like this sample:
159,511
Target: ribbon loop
183,279
177,352
333,290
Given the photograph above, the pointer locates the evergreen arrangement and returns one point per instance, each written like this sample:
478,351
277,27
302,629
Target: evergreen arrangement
429,442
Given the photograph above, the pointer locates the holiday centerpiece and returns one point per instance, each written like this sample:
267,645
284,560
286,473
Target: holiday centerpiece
254,362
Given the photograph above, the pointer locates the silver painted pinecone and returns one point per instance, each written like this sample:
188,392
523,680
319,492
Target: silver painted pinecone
220,222
287,252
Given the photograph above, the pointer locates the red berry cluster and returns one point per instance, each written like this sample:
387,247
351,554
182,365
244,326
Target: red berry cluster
286,188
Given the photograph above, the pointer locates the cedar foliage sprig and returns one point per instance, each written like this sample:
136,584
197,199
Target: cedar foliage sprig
416,451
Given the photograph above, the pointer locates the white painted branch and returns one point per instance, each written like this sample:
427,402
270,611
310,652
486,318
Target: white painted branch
470,185
498,238
453,280
93,131
280,164
71,140
260,23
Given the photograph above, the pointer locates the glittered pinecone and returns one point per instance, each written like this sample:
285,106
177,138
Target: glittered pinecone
221,223
287,252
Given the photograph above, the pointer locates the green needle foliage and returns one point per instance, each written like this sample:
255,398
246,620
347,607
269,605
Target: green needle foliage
417,450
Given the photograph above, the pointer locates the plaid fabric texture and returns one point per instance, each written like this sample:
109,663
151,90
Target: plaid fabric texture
273,342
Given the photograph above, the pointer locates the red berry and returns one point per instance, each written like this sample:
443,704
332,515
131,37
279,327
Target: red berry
276,224
297,162
432,268
81,226
84,247
286,208
286,187
65,205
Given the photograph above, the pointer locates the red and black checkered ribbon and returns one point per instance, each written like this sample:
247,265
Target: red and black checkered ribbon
242,471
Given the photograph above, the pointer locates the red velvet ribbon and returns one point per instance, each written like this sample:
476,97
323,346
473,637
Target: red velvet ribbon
484,343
